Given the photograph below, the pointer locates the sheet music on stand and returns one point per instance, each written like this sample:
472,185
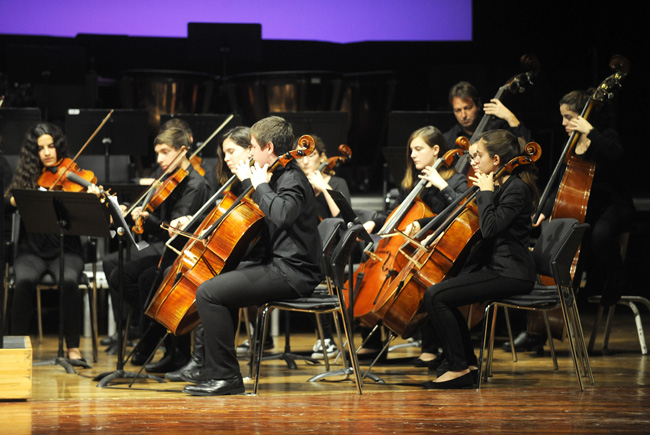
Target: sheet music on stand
348,215
114,208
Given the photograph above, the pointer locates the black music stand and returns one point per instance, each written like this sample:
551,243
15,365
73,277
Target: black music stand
122,229
350,218
65,214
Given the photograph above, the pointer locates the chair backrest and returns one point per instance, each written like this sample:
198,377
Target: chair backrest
341,255
557,246
328,230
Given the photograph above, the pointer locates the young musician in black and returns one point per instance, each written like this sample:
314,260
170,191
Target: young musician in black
185,199
288,269
500,265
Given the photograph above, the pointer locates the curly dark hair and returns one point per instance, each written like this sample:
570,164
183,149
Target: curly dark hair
29,166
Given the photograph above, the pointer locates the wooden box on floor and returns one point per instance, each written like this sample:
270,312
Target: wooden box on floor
16,368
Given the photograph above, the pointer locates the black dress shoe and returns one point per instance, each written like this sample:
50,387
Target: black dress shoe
525,342
468,380
138,358
194,376
107,341
168,363
180,374
217,387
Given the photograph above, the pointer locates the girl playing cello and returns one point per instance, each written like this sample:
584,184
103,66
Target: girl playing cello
500,265
424,147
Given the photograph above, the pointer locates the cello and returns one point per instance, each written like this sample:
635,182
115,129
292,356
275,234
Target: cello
376,272
443,253
219,244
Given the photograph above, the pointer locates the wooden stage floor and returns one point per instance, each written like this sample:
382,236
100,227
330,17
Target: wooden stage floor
523,397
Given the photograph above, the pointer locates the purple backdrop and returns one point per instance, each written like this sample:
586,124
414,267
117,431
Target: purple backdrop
324,20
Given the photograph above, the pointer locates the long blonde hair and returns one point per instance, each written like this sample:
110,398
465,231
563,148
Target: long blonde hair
431,136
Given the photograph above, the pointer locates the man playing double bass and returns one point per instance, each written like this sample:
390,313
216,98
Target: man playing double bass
466,104
289,265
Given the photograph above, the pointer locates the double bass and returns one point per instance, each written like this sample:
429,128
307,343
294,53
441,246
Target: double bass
576,173
515,85
571,181
218,245
444,252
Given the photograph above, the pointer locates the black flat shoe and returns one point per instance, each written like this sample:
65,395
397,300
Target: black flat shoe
525,342
437,362
217,387
462,382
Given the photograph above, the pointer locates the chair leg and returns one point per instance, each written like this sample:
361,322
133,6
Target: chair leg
550,340
92,306
350,339
594,329
321,337
581,338
608,327
512,341
488,371
39,314
482,354
257,346
639,325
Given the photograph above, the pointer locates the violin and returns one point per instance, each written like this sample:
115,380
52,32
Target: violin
58,177
163,189
331,163
195,159
399,308
219,244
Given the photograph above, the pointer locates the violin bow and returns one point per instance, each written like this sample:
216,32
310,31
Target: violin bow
214,133
83,148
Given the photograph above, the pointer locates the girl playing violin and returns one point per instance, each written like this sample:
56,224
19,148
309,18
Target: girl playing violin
322,182
289,269
500,265
326,208
38,254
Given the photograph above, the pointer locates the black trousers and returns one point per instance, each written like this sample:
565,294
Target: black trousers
450,326
218,301
29,269
605,269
